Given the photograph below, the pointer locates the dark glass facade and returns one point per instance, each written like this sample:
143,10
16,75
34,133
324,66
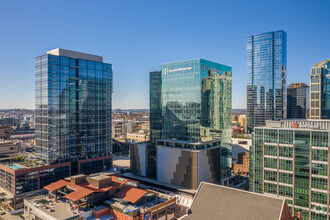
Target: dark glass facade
155,107
195,104
73,107
266,78
298,101
95,166
320,91
29,181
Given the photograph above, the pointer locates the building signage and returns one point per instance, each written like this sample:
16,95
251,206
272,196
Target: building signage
296,125
167,70
310,126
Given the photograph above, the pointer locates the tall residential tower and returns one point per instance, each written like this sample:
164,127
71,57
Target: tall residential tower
155,105
266,82
73,110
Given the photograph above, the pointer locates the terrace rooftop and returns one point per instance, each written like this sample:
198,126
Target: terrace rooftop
76,196
19,163
49,209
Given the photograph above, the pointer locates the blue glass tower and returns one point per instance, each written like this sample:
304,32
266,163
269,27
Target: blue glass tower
195,104
266,78
73,107
196,101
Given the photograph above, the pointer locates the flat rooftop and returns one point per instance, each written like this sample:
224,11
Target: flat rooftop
307,124
75,55
121,162
196,59
188,142
54,210
4,142
25,164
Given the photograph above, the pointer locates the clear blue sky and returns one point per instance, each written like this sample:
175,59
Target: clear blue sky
138,36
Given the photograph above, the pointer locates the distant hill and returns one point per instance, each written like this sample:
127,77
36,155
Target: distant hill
234,111
19,111
239,111
131,110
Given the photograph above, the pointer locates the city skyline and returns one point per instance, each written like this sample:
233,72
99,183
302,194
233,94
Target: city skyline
135,44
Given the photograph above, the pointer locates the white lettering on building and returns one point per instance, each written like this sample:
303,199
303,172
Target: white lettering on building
167,71
309,126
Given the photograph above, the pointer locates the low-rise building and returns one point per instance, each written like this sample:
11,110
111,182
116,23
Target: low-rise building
240,145
17,181
242,164
6,131
136,137
145,125
22,177
100,196
9,149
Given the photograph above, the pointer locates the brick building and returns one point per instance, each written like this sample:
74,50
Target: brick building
242,163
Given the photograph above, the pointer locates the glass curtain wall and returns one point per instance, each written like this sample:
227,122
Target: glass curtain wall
266,78
196,104
73,108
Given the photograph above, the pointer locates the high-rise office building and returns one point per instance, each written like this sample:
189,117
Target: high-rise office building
266,78
298,101
290,159
320,90
73,110
155,106
196,101
191,101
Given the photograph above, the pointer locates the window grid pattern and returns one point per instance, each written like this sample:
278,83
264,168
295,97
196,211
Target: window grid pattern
196,104
299,141
266,78
320,91
73,108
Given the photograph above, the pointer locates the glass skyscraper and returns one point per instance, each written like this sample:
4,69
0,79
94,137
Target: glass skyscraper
196,101
155,106
298,100
320,90
266,78
195,104
73,107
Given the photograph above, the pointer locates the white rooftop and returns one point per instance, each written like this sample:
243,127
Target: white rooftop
75,55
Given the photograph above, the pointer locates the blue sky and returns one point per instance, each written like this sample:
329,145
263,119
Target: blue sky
138,36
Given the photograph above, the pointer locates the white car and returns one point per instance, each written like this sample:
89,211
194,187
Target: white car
1,213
